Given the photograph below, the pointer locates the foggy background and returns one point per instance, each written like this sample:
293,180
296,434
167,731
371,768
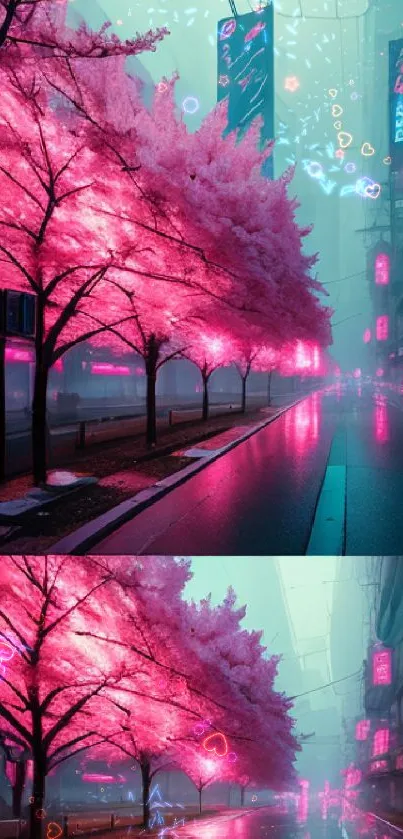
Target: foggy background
316,613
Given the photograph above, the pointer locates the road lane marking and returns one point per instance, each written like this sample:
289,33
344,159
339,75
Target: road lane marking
327,534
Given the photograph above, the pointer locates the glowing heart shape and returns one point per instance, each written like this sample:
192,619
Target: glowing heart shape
216,743
344,139
337,125
54,831
367,150
373,191
332,93
337,111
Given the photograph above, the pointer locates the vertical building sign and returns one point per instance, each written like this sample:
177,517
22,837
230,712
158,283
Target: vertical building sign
362,729
382,334
382,667
380,743
382,269
246,72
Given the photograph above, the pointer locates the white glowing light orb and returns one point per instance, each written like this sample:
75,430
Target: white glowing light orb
190,105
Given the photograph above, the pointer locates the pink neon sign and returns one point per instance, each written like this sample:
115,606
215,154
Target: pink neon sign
382,269
399,762
379,765
105,369
353,776
362,729
18,355
382,328
381,742
367,336
95,778
382,667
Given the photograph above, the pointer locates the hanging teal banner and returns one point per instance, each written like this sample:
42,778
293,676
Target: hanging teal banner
396,100
246,72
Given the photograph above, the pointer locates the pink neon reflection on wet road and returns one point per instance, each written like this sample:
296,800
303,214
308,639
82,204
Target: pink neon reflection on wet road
381,419
262,823
302,426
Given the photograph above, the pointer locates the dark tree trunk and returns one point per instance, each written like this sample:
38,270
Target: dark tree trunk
205,411
38,798
18,788
243,790
39,412
39,757
269,376
151,432
151,362
244,379
146,782
200,801
2,408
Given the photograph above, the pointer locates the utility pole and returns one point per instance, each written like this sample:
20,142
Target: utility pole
233,8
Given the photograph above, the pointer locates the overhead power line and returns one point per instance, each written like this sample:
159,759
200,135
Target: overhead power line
343,279
328,685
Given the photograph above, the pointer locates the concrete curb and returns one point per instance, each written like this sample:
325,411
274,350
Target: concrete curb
82,540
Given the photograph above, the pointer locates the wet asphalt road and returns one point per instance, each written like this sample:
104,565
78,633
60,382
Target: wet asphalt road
261,498
255,825
258,824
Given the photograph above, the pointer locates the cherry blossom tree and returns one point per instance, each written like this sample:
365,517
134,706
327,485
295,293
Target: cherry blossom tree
37,28
151,319
266,361
256,247
253,354
84,654
148,738
51,243
245,357
257,237
52,683
202,768
208,349
260,727
213,678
